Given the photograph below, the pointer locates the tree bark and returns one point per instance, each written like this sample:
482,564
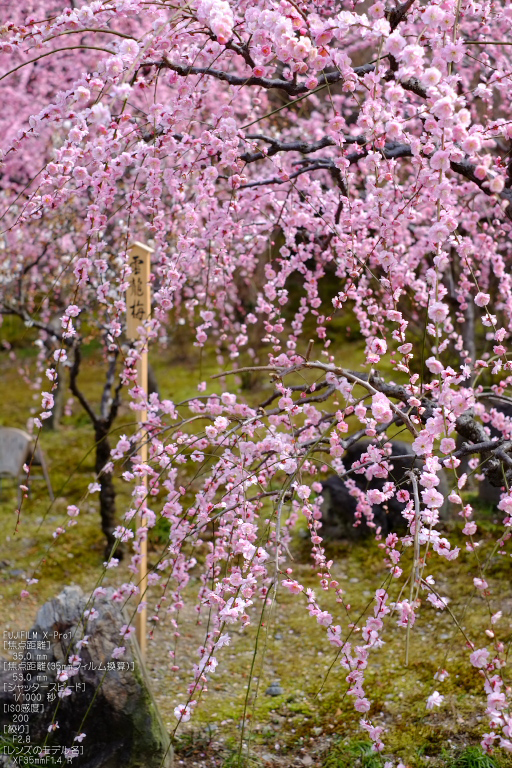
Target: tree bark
107,490
468,332
102,424
152,381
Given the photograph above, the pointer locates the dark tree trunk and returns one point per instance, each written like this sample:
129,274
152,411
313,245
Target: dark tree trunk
102,424
468,336
152,381
468,332
107,490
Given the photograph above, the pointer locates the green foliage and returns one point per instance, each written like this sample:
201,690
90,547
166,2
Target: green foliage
234,760
352,754
473,757
359,754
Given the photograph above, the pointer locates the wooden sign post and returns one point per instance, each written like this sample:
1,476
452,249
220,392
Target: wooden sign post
138,309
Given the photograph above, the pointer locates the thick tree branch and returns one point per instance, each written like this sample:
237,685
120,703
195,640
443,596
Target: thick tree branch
276,146
299,388
494,453
467,169
34,263
414,86
291,88
114,405
21,312
390,151
468,448
399,13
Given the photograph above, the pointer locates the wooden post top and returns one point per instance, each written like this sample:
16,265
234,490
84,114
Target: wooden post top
138,299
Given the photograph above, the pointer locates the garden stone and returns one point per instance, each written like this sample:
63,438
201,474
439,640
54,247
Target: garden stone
339,506
18,448
488,493
123,728
274,689
6,762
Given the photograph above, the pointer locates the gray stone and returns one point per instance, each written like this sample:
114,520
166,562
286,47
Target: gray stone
115,708
488,493
6,762
339,506
274,689
16,449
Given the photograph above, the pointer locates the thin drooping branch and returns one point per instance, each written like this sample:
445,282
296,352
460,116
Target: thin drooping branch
468,331
314,166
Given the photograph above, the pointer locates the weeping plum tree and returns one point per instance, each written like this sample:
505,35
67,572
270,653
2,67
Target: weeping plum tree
60,347
258,144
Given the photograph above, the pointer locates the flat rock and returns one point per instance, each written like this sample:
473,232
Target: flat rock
274,689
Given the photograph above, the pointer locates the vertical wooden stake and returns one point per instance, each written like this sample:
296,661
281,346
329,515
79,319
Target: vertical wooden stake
138,309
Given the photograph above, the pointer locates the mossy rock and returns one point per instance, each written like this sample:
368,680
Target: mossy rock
110,700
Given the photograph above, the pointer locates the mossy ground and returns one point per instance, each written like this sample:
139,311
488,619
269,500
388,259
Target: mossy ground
313,721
